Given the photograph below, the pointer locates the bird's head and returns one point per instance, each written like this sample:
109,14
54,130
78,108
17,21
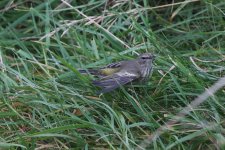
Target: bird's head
147,56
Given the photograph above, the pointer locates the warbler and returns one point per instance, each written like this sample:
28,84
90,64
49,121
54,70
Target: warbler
120,73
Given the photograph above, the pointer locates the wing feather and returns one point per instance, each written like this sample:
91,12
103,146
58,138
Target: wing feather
113,82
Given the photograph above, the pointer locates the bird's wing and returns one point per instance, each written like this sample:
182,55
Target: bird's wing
103,71
116,80
114,65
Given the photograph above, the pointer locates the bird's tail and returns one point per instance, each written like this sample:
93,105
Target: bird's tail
90,71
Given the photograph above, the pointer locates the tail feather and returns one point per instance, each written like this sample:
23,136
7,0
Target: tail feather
89,71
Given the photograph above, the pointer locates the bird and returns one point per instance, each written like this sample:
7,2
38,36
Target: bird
116,74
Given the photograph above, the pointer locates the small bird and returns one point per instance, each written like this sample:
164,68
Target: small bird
120,73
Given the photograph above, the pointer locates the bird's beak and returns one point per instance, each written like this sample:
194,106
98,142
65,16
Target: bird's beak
153,57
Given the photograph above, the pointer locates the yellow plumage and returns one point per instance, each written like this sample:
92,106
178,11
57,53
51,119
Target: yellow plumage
109,71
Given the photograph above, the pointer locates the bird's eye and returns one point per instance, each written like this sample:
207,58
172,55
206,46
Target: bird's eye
145,57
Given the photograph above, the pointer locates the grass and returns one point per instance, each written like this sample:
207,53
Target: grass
46,104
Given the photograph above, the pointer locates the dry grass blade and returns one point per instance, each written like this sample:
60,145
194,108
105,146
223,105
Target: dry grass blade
95,23
200,99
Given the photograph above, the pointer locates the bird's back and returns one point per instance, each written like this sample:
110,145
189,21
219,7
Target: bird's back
131,66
